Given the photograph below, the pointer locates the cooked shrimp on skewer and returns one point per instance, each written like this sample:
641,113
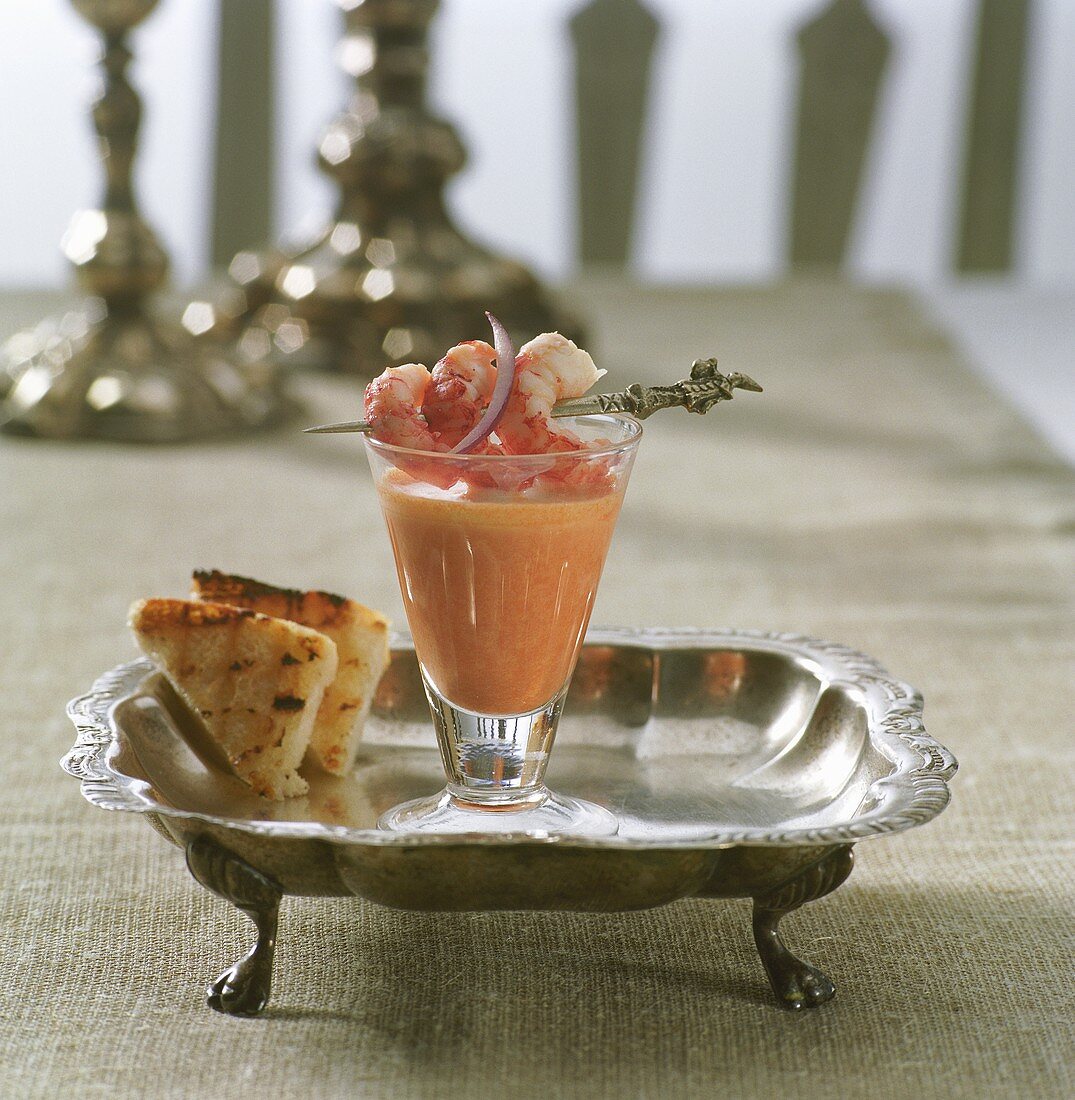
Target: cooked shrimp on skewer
459,389
393,404
548,369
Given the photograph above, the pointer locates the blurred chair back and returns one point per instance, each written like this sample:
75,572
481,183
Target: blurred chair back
844,54
613,42
243,160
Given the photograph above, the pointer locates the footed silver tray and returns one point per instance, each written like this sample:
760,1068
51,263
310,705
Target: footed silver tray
738,764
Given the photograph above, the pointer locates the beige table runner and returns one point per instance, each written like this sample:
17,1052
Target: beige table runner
876,495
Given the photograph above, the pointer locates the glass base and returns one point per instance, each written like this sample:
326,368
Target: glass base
546,814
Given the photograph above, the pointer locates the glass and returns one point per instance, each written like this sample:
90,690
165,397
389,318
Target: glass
499,558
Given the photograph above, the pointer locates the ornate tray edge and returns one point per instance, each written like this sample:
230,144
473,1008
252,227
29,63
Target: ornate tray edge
923,765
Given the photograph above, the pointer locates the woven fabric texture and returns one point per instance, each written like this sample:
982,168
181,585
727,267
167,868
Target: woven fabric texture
876,495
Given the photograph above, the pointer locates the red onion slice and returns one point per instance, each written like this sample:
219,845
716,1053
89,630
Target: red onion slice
498,400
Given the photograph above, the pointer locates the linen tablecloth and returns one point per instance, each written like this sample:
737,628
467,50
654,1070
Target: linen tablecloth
876,495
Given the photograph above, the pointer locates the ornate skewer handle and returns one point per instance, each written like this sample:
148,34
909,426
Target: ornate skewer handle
698,394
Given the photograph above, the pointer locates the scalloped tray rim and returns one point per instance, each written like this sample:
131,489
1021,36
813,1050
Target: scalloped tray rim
894,709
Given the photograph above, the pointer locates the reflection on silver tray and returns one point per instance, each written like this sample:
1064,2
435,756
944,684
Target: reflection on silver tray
689,737
737,763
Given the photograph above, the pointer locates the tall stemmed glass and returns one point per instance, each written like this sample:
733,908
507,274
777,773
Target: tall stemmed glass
499,558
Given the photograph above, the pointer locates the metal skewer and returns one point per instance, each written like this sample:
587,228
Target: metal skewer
698,394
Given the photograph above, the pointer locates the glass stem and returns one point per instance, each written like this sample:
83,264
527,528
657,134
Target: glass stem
494,762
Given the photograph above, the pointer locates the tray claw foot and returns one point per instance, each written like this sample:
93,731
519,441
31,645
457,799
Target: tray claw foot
797,984
243,989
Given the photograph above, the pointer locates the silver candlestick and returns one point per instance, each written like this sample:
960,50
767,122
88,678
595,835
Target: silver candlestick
113,369
392,278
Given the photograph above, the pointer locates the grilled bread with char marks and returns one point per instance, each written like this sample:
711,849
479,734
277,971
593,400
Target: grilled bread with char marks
255,681
361,637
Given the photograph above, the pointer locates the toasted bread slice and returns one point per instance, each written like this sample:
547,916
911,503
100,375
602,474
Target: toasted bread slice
255,682
361,637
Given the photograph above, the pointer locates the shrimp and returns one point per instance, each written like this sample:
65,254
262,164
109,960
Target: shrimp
548,369
459,389
393,404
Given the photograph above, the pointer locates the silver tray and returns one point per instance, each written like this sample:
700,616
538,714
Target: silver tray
739,764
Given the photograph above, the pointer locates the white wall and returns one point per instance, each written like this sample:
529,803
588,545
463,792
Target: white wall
713,192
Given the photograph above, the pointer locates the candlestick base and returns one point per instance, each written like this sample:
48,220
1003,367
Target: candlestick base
130,376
